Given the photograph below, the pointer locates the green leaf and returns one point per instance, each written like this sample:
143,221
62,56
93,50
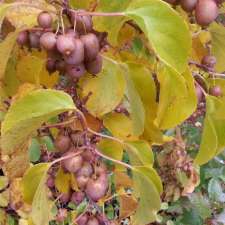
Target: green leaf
177,98
111,148
137,111
32,179
215,190
218,44
62,181
149,203
34,150
47,141
140,153
41,205
111,24
6,48
213,137
106,89
29,112
145,86
165,29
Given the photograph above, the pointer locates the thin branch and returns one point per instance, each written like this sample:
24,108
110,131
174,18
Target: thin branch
62,124
113,160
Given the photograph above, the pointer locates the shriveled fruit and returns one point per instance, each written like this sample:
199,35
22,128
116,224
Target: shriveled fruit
51,66
216,91
77,56
97,188
72,164
93,221
209,61
85,170
91,46
48,41
62,142
77,197
83,23
22,38
94,67
65,44
206,12
45,20
75,71
188,5
82,220
34,40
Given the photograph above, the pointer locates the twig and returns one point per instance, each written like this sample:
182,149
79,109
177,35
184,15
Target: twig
62,124
97,13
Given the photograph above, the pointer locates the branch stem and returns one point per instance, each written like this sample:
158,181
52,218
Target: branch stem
98,13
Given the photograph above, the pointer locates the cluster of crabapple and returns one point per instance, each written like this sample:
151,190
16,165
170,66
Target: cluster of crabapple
90,173
206,11
71,50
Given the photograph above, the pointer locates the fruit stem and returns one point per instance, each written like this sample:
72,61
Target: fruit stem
98,13
113,160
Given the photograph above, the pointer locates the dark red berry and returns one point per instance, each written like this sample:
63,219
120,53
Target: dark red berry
77,56
65,44
82,181
34,40
72,164
209,61
91,46
48,41
45,20
94,67
216,91
77,197
62,143
22,38
75,71
82,220
206,12
188,5
83,23
51,66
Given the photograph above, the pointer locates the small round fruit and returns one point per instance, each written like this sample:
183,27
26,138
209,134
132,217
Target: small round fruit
64,197
97,188
45,20
209,61
206,12
50,182
65,44
85,170
62,143
77,56
82,181
82,220
101,168
91,46
75,71
93,221
83,23
34,40
188,5
72,33
216,91
72,164
94,67
61,215
48,41
22,38
77,197
51,66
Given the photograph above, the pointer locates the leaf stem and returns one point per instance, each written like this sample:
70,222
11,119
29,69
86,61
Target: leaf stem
98,13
